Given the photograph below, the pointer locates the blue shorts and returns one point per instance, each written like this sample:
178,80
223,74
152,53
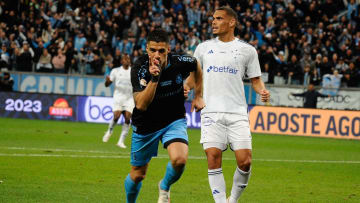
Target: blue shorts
144,147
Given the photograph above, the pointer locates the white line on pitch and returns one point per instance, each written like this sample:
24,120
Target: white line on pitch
62,150
166,157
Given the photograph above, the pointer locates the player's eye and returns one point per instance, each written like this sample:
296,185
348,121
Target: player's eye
161,51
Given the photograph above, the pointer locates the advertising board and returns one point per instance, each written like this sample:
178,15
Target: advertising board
305,122
99,110
38,106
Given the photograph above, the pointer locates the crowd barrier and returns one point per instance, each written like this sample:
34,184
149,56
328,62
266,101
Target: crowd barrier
263,119
345,99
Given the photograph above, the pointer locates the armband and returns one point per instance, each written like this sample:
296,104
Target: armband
155,78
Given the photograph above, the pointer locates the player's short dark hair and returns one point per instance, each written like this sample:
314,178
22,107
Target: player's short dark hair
158,35
229,11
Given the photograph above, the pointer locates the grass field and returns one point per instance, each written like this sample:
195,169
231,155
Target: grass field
50,161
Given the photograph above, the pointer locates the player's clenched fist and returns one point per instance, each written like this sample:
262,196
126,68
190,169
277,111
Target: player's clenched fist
265,95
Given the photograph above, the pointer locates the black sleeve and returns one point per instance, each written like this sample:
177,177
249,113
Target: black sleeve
321,95
188,64
140,75
298,95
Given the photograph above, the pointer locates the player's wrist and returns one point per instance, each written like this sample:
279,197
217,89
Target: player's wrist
155,78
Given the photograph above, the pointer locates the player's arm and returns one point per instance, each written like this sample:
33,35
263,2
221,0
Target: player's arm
298,95
189,83
144,98
322,95
107,81
195,81
259,88
254,73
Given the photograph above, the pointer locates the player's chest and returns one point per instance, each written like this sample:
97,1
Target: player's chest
122,77
226,56
231,62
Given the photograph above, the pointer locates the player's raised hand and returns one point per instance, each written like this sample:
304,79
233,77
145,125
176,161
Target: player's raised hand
265,95
198,104
154,66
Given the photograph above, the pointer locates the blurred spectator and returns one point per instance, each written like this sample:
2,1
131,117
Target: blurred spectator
97,65
341,66
88,58
310,96
58,62
331,83
348,80
295,72
117,58
70,52
108,69
125,46
306,75
315,77
177,6
24,58
80,41
352,8
44,64
4,57
325,66
6,81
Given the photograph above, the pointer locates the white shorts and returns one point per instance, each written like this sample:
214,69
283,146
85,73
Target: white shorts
123,105
220,129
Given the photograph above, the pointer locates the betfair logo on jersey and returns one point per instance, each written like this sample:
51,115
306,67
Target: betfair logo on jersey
222,69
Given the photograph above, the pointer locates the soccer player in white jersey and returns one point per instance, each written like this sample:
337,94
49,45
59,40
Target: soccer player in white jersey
224,120
123,98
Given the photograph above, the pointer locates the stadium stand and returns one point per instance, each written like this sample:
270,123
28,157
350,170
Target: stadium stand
299,41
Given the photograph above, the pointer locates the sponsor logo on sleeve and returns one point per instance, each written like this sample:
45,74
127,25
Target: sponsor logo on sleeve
143,82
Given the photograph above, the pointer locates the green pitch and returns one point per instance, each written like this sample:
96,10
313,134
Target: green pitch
49,161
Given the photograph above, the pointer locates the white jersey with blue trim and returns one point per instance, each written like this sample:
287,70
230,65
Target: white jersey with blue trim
122,84
224,67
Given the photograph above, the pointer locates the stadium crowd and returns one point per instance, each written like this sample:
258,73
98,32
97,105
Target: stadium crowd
298,41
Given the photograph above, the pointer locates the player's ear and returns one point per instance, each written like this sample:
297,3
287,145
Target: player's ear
232,22
168,48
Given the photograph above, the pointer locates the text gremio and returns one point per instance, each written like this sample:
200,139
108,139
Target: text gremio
305,122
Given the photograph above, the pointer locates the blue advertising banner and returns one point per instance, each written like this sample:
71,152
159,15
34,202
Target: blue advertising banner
99,110
43,84
77,85
62,84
